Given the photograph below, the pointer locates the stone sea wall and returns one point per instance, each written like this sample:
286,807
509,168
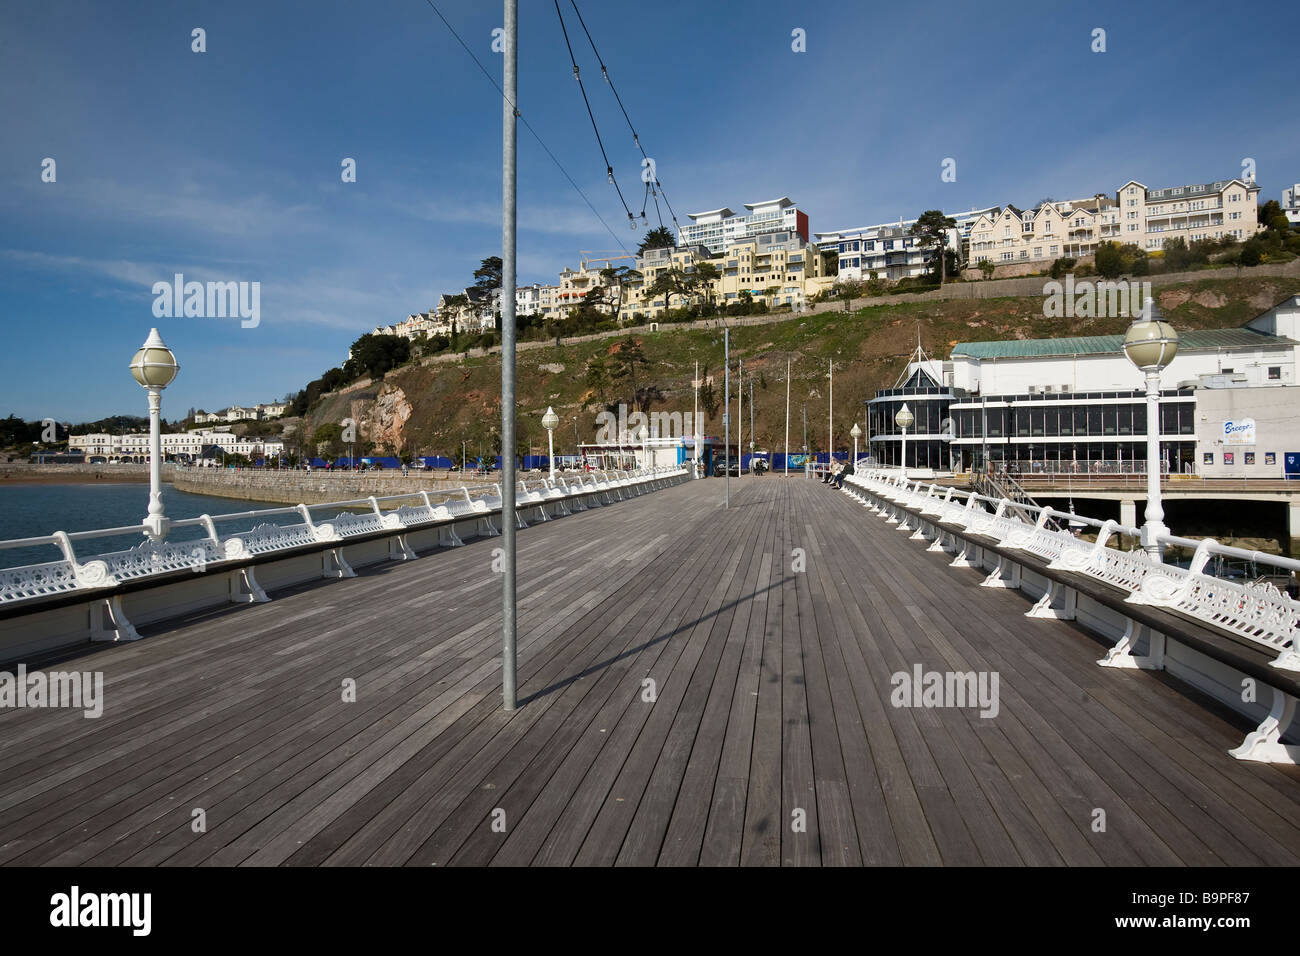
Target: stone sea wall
316,487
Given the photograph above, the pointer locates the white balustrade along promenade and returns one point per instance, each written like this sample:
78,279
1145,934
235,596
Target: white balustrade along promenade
80,596
1222,635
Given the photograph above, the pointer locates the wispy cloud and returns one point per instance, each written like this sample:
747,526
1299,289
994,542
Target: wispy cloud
561,219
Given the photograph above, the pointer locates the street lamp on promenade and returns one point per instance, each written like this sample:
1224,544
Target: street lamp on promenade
644,435
549,421
856,432
154,367
904,420
1151,344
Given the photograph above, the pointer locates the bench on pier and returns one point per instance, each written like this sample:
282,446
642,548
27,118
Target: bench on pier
1239,634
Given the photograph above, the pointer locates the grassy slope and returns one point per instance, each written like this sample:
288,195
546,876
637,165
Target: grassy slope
451,402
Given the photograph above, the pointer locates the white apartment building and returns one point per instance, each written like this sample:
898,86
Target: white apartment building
717,229
1206,211
1049,231
1290,205
239,412
1137,215
575,284
192,445
651,264
889,249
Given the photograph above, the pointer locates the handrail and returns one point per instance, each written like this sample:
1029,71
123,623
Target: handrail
1258,612
150,557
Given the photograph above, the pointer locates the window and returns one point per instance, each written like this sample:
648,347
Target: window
1274,373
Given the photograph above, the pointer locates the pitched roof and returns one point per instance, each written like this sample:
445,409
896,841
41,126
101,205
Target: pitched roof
1102,344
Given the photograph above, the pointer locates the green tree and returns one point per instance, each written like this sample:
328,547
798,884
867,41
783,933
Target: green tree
1177,255
1061,266
1108,260
987,267
673,282
488,275
708,394
374,355
661,238
599,381
625,359
706,278
1252,252
1267,212
328,439
619,278
847,291
931,232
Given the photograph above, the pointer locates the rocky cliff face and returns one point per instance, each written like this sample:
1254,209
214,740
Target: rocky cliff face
384,419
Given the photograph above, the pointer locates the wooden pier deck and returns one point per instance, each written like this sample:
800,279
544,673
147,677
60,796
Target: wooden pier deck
771,704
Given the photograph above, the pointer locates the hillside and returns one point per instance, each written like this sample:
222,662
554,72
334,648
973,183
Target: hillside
428,409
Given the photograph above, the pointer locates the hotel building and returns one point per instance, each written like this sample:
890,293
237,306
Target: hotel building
718,229
889,249
184,445
1137,215
1290,205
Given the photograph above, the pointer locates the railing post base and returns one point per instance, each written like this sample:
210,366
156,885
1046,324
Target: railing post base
108,622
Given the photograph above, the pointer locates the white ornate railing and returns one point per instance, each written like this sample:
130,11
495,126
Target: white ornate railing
395,513
1258,612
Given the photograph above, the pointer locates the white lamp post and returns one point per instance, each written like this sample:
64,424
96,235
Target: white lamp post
154,367
904,420
549,421
1151,344
644,435
856,432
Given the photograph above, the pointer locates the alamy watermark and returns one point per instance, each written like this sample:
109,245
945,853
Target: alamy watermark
625,427
923,688
1094,300
77,690
76,908
212,300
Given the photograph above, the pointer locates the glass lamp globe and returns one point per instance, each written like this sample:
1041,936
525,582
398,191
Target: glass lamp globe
904,418
1151,343
154,365
855,431
550,419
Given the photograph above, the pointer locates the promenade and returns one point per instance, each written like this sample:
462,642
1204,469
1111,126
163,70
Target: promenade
770,633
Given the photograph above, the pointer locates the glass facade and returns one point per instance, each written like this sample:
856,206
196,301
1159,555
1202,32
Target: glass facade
1060,432
1057,431
927,438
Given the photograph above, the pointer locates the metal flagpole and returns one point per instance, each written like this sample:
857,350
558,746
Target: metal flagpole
695,420
787,418
740,414
726,416
509,129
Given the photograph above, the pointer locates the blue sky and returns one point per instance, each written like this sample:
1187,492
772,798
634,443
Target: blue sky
225,165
